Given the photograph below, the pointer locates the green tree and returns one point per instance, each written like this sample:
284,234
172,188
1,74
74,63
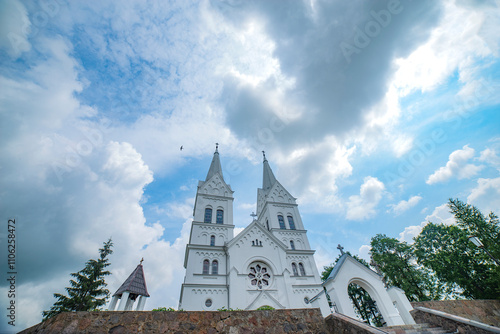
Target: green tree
447,251
364,305
88,288
473,222
397,263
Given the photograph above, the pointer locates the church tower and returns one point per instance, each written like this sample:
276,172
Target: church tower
269,263
205,283
278,211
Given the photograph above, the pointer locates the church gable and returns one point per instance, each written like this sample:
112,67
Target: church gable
279,194
255,235
215,186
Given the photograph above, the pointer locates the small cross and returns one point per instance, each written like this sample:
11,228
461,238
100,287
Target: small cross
141,261
341,249
216,146
264,154
253,215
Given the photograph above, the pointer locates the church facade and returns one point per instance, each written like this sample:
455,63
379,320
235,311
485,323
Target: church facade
269,263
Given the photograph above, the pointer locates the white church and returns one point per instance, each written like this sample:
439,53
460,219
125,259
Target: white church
269,263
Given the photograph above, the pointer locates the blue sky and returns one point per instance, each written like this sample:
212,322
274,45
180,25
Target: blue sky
371,113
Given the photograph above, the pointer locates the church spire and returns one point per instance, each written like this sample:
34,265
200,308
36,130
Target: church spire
215,166
268,179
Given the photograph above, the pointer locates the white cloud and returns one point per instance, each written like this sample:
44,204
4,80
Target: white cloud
486,196
364,252
456,166
14,27
405,205
452,45
362,206
80,187
490,156
441,214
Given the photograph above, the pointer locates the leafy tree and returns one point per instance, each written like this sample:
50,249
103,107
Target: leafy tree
447,251
396,261
88,289
364,305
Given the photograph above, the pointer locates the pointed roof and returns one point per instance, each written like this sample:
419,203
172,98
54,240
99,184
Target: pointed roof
268,179
135,283
215,166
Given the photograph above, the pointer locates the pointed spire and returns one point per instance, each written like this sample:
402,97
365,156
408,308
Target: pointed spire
135,283
215,166
268,179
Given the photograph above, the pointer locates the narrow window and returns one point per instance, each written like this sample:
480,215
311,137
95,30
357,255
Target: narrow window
220,217
291,223
302,271
282,222
212,240
267,224
292,245
206,267
208,215
294,269
215,267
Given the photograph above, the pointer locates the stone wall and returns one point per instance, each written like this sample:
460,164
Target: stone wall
450,323
337,323
234,322
485,311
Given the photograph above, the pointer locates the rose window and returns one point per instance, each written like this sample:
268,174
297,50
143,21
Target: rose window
259,275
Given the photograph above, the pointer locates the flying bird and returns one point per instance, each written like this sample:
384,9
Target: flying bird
182,147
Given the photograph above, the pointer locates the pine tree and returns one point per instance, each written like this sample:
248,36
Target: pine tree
88,288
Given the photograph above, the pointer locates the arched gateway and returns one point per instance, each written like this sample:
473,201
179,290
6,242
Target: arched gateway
348,270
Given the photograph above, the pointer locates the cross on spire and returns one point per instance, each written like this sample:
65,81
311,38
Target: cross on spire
216,147
264,154
141,261
341,249
253,215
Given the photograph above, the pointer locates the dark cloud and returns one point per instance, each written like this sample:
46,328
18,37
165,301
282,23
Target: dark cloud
335,90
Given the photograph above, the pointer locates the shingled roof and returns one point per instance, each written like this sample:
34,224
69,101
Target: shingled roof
135,283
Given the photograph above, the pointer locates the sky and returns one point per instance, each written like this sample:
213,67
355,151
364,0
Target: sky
371,113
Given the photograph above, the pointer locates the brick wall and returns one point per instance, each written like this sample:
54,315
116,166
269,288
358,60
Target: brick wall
485,311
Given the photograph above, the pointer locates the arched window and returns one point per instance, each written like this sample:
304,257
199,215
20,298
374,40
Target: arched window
294,269
215,267
206,267
212,240
291,223
208,215
302,271
220,217
292,245
282,222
